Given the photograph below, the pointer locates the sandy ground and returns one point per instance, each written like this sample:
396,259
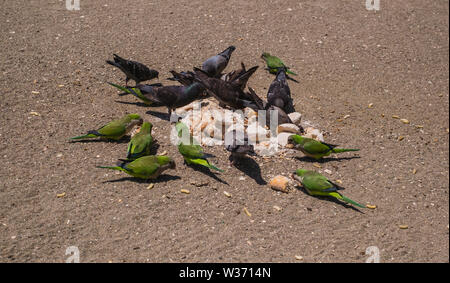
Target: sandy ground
53,63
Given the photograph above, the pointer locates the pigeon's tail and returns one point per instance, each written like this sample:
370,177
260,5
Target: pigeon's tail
201,77
339,150
346,199
89,135
246,75
258,101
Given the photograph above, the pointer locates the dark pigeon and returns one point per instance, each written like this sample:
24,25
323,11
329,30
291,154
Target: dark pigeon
262,105
184,78
225,92
214,65
279,93
133,70
174,96
239,149
240,77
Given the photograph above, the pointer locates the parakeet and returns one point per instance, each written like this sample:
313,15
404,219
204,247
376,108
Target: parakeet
133,70
141,143
315,149
225,92
214,65
317,185
190,149
147,167
114,130
273,63
279,93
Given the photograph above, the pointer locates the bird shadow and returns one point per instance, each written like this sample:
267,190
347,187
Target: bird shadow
324,160
206,171
121,141
250,168
161,178
330,199
160,115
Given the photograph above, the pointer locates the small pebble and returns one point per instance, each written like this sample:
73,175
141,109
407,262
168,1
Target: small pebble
247,212
404,121
280,183
276,207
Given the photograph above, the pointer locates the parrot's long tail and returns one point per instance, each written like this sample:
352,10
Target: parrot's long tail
205,163
291,73
124,89
339,150
346,199
137,92
88,136
112,167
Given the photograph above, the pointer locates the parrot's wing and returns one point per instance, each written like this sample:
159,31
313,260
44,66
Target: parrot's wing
114,128
330,145
318,183
191,151
141,144
314,146
142,167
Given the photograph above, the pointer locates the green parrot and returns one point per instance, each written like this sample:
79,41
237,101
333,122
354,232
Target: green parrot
315,149
114,130
318,185
273,63
147,167
190,149
141,143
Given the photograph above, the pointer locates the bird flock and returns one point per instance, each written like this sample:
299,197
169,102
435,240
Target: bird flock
229,90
